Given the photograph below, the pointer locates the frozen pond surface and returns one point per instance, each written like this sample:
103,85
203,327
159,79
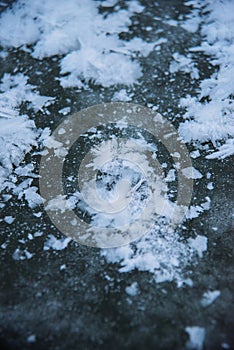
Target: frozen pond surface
171,289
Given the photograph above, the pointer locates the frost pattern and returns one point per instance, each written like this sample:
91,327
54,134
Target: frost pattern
213,120
88,41
18,134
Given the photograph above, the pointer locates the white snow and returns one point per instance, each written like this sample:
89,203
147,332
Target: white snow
196,337
192,21
213,120
160,252
133,289
209,297
90,50
56,243
210,186
195,210
20,254
122,95
18,134
192,173
184,64
88,40
199,243
31,338
170,176
226,150
9,219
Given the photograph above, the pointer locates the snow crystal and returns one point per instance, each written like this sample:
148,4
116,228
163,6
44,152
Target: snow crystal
88,40
16,89
62,267
196,337
213,120
38,234
184,64
224,151
18,134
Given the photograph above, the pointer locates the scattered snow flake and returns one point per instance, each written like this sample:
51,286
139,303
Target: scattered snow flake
62,267
199,244
15,89
25,171
209,297
213,120
210,186
32,197
194,211
226,150
31,338
17,136
21,254
195,154
159,252
122,95
38,234
4,245
133,289
56,243
87,39
183,64
51,143
9,219
170,176
196,337
191,173
65,110
60,203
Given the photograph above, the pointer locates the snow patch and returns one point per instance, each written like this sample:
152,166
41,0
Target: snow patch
160,252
